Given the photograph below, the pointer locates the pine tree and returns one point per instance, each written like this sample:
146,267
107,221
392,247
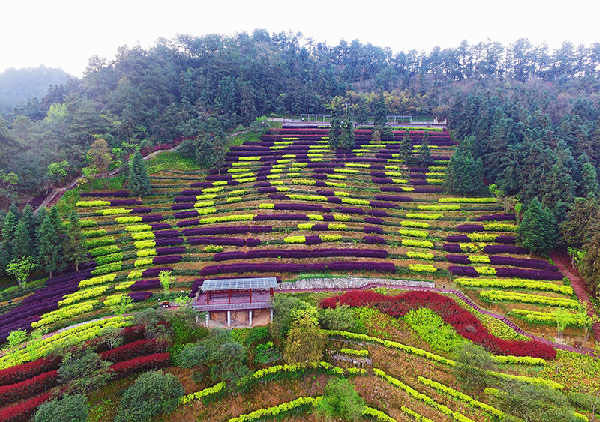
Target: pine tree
379,111
347,140
139,182
582,222
219,150
424,153
406,148
589,267
75,249
22,244
48,248
8,234
30,221
334,133
538,229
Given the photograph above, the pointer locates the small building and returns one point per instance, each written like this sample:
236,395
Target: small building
237,300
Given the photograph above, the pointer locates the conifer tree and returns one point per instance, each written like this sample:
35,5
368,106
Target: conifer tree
8,234
31,222
538,230
406,148
424,153
334,132
379,111
347,139
22,244
49,250
139,182
75,249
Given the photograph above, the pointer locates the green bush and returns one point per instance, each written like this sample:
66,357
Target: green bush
340,400
440,336
152,393
70,409
340,318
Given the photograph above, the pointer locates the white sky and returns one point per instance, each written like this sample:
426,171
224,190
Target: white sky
65,33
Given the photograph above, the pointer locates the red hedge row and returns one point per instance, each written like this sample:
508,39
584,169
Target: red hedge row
133,350
23,412
141,364
22,372
465,323
28,388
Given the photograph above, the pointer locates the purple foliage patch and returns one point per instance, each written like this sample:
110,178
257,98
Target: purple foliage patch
523,263
141,210
168,241
252,243
508,240
185,214
463,271
375,204
393,198
470,228
495,249
370,229
374,240
452,247
170,259
343,210
201,185
154,272
529,274
372,220
167,234
160,226
459,259
216,241
382,267
284,217
151,218
334,200
140,296
145,285
185,198
458,238
497,217
204,231
184,206
170,251
301,207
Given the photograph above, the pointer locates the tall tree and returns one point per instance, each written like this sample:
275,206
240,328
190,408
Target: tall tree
334,132
22,244
75,249
538,230
48,246
424,153
100,155
139,182
406,148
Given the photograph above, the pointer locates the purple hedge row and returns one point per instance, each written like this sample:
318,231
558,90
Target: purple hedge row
523,263
452,247
167,234
160,226
154,272
182,206
152,218
168,242
170,251
334,200
302,253
497,217
393,198
200,185
140,296
418,182
469,228
180,199
141,210
121,202
185,214
281,217
372,220
252,243
370,229
117,194
145,285
216,241
302,207
376,204
169,259
344,210
530,274
463,271
495,249
381,267
227,230
465,238
374,240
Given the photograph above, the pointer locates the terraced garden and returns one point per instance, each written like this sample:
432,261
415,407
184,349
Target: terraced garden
289,207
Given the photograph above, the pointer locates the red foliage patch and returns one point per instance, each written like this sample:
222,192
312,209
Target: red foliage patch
28,388
465,323
23,412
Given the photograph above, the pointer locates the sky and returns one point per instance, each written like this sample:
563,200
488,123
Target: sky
66,33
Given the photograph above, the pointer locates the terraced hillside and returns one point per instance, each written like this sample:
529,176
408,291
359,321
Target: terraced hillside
289,207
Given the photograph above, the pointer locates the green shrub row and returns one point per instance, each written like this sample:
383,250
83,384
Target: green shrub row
414,233
511,283
495,295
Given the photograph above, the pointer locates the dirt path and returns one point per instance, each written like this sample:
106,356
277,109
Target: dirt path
562,261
